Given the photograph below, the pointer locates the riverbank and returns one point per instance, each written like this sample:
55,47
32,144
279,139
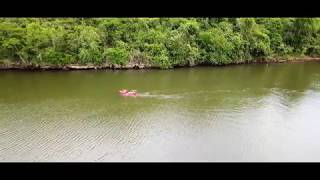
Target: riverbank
8,65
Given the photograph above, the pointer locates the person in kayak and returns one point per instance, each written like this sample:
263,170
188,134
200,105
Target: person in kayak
133,92
125,92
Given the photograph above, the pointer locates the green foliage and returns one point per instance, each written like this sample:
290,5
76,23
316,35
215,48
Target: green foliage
256,39
221,45
117,56
163,42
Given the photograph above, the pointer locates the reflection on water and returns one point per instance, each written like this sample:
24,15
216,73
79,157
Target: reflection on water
235,113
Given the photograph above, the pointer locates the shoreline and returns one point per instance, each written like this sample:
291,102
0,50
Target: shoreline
71,67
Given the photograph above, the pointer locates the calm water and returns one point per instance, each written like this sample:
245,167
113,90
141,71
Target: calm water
234,113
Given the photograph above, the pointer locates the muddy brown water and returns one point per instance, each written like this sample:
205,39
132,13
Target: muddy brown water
233,113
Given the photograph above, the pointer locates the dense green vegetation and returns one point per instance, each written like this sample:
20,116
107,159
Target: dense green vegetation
163,42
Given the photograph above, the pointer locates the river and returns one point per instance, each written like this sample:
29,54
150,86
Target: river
232,113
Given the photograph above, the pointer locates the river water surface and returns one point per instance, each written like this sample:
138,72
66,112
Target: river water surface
234,113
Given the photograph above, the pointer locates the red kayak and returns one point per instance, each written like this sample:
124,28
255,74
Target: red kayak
125,92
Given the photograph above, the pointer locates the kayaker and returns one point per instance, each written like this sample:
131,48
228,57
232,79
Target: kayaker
125,92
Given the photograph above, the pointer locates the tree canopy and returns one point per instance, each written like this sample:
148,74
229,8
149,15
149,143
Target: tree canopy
164,42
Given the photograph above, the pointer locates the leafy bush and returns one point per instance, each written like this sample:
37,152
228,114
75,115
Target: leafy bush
117,56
